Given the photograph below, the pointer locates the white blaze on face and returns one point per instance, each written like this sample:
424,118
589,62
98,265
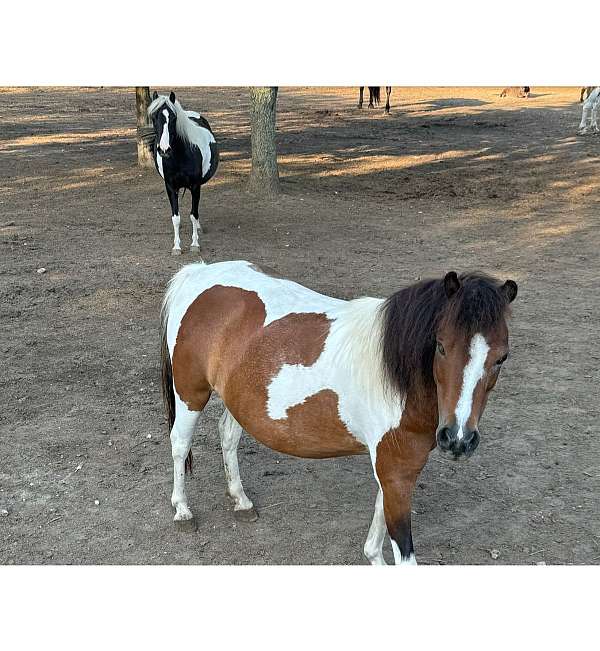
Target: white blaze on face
159,164
164,139
473,372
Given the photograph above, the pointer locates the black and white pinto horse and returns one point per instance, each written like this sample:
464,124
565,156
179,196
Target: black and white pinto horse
186,156
374,96
590,112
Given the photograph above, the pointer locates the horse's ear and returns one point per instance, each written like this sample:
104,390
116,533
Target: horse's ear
509,290
154,95
172,97
451,283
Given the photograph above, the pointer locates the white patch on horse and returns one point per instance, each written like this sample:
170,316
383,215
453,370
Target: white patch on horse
181,441
195,229
231,431
159,164
373,548
472,373
176,241
164,139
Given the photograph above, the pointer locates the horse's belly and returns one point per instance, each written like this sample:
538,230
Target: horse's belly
311,429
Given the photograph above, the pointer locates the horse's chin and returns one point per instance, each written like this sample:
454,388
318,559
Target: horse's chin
456,458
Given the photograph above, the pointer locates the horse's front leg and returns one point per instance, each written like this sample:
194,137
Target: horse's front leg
400,457
360,96
174,201
584,117
396,508
195,219
388,92
594,121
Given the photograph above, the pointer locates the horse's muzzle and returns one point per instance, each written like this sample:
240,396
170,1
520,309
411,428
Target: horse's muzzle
448,440
166,153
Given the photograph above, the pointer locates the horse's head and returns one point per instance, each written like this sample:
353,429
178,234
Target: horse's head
471,346
164,119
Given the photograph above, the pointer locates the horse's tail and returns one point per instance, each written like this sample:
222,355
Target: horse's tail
168,393
375,92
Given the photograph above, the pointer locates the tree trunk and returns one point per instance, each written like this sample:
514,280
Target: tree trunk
264,177
145,133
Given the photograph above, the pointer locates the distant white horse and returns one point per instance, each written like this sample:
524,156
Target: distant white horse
590,106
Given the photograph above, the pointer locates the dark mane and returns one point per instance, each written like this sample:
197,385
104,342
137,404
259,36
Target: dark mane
412,316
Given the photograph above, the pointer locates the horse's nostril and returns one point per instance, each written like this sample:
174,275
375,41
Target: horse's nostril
471,436
444,437
474,440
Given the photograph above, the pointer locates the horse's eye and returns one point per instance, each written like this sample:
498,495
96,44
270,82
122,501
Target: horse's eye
440,348
502,360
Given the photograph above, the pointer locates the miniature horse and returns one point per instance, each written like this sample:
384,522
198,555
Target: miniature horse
315,376
590,112
374,95
185,155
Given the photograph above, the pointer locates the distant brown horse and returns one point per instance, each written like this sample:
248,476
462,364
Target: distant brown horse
516,91
315,376
587,91
374,97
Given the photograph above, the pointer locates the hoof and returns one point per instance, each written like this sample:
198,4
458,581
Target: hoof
248,515
195,250
175,251
186,526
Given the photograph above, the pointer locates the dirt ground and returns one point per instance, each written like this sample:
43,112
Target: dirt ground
454,178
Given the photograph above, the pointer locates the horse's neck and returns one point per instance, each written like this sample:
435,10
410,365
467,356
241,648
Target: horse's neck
421,412
183,149
356,338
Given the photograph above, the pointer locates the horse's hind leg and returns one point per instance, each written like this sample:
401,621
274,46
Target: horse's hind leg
388,92
231,432
374,544
181,442
361,90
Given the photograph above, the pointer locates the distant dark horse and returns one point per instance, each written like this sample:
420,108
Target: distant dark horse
185,155
374,96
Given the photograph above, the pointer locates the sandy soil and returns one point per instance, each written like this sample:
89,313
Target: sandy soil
454,178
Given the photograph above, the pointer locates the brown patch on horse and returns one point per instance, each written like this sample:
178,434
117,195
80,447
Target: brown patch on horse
223,344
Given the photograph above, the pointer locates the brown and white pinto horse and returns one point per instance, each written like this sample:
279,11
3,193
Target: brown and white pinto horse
315,376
